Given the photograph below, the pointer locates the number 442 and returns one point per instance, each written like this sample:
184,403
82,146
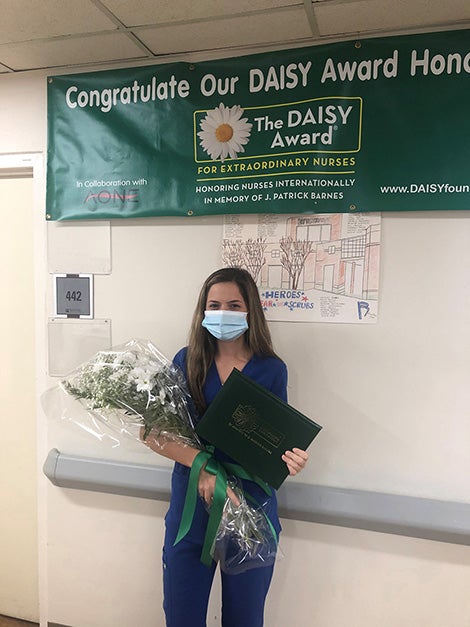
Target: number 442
76,295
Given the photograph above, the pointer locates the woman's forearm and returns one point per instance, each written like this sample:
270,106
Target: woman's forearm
172,450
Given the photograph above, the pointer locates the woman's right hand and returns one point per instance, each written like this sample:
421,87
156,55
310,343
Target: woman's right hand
206,487
186,455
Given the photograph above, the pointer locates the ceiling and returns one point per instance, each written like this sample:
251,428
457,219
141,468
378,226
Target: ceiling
62,35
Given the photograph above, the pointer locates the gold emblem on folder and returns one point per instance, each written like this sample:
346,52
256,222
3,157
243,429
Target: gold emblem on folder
248,422
245,417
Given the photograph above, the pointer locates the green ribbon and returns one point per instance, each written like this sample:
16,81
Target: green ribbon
220,471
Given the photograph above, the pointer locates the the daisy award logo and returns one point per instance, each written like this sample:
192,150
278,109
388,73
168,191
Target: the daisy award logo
224,132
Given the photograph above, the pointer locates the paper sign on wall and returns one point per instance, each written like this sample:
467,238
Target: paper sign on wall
309,268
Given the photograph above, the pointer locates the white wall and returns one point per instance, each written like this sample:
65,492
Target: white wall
393,399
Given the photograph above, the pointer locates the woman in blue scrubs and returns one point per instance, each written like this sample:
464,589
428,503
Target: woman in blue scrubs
229,330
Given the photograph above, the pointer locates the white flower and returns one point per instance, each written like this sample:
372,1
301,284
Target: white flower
144,385
142,378
224,132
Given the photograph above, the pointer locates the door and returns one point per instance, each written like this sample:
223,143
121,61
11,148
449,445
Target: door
275,276
328,277
353,279
18,462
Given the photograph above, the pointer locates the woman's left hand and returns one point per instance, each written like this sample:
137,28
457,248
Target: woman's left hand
295,460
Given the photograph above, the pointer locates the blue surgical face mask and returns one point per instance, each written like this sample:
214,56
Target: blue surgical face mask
225,325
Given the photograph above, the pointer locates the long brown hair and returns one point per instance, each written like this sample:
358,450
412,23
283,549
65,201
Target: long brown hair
202,345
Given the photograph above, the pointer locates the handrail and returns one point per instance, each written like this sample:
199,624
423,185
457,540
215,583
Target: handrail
443,521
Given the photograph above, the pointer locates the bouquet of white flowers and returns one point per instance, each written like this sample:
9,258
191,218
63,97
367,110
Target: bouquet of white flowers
134,390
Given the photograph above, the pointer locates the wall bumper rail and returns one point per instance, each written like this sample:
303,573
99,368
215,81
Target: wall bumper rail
443,521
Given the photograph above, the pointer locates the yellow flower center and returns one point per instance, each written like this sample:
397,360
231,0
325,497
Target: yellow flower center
224,133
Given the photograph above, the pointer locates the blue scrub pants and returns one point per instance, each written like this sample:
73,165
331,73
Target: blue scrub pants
187,584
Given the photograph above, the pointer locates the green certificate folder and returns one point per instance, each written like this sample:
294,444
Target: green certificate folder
255,427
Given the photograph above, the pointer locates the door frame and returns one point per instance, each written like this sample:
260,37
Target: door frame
31,165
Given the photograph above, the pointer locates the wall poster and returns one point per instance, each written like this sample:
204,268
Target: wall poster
309,268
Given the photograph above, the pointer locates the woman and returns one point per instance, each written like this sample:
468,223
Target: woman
228,331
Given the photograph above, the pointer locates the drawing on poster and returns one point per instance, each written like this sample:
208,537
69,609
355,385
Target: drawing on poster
310,268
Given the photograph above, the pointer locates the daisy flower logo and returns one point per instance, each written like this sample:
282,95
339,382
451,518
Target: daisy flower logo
224,132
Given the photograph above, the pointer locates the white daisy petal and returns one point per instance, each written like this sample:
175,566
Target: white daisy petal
216,153
226,115
235,147
237,113
224,152
211,124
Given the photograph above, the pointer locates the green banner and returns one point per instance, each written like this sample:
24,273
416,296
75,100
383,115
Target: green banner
376,125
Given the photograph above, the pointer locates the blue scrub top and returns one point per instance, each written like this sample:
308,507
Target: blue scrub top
271,373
